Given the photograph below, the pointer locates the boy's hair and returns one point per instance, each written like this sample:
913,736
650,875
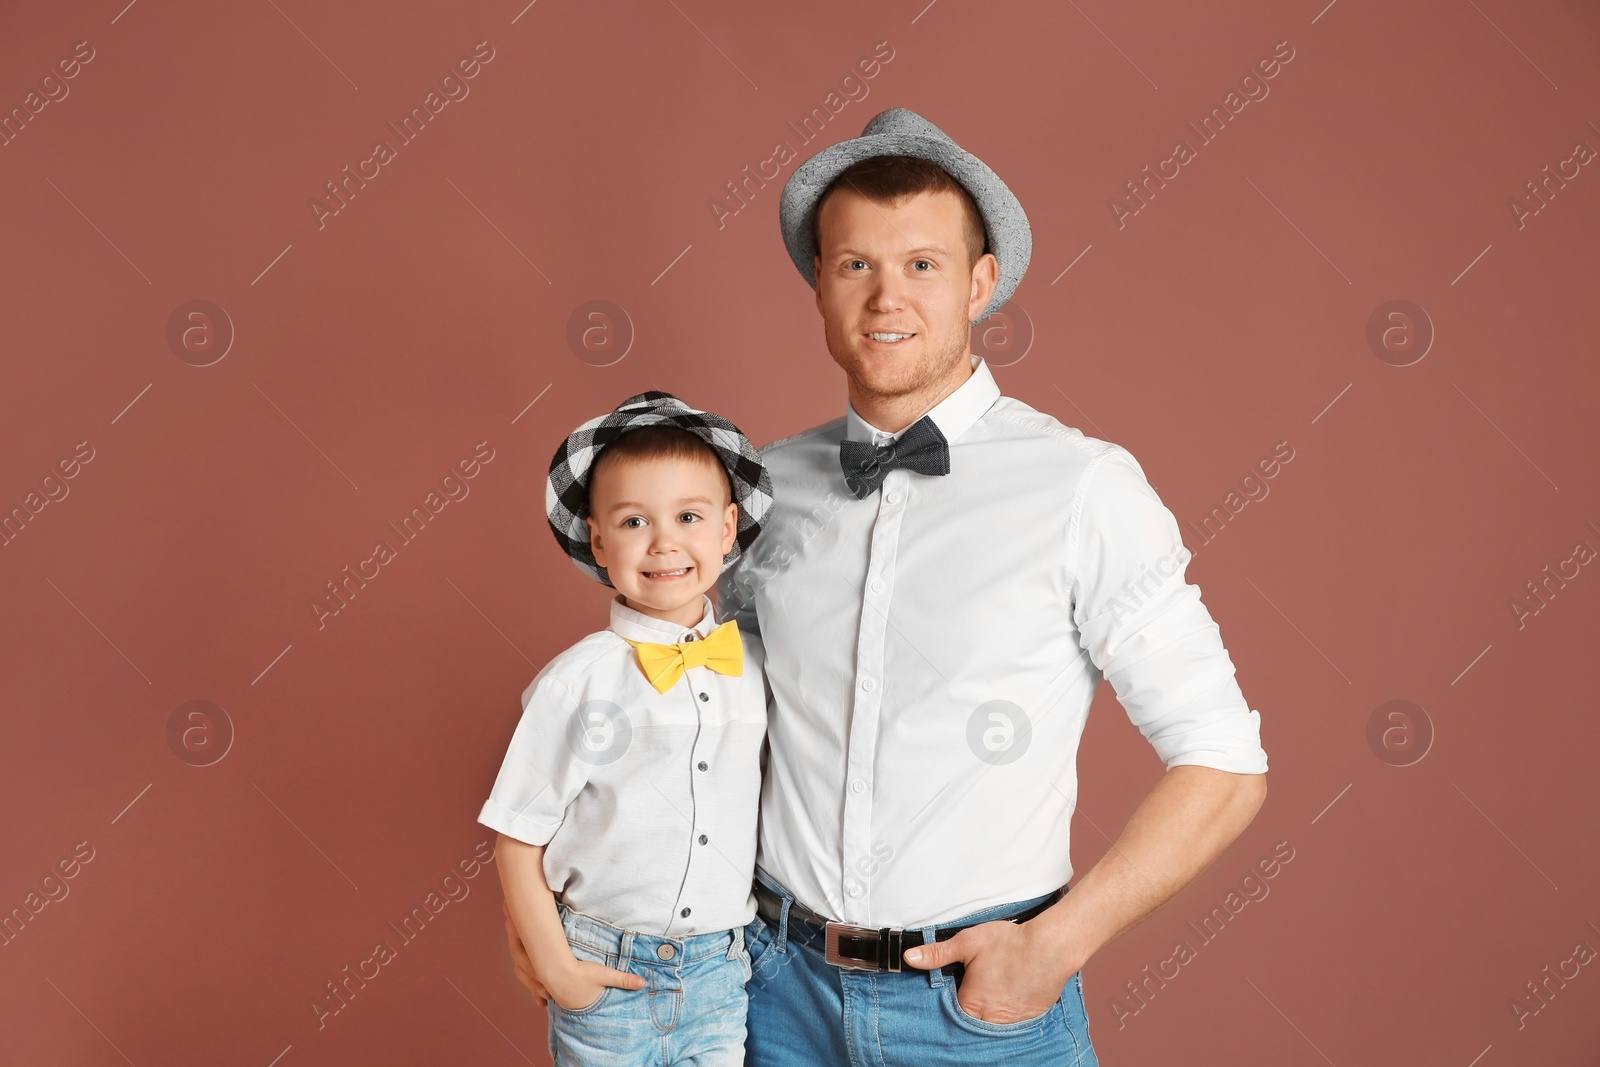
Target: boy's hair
886,179
654,442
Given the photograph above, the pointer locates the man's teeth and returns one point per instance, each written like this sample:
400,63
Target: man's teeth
666,574
888,336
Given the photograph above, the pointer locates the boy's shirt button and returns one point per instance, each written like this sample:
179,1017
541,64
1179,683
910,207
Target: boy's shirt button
703,839
702,765
705,696
684,913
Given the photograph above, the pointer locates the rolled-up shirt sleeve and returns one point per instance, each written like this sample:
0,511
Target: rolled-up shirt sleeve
1144,626
541,772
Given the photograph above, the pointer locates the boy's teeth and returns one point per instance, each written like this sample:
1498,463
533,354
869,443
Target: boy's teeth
660,574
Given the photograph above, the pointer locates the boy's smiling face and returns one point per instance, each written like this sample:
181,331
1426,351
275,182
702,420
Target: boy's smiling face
661,527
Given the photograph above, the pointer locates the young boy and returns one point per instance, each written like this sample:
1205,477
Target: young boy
626,804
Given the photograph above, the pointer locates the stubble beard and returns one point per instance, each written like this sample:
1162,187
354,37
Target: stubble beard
937,359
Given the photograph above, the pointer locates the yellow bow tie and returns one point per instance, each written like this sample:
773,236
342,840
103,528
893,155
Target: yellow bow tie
663,665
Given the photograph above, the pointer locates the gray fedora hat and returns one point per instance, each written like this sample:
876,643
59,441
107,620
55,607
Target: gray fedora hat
902,132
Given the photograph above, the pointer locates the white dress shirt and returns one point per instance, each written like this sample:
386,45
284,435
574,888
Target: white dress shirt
932,651
646,802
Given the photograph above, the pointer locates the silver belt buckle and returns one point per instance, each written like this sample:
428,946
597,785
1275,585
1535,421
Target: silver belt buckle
842,938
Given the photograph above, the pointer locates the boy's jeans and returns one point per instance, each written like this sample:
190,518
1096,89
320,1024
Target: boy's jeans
807,1011
691,1011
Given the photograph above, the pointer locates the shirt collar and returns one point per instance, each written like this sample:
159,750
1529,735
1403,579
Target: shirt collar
954,415
637,626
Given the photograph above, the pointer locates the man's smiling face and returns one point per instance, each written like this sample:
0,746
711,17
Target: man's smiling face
898,290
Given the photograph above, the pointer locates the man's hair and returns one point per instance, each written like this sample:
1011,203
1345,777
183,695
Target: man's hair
654,442
885,179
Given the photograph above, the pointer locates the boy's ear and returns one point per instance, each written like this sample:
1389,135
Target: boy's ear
730,527
594,541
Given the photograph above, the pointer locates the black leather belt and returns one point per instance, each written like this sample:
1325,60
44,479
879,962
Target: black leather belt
870,948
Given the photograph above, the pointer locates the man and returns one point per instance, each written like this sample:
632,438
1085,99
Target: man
945,577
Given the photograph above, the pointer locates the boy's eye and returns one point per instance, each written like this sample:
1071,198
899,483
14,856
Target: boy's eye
632,519
691,515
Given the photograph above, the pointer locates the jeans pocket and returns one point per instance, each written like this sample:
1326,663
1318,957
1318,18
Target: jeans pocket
591,955
587,1008
757,937
760,941
973,1024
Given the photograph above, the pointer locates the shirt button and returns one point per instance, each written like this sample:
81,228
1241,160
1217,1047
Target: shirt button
868,684
684,913
702,765
855,890
892,496
666,952
703,839
877,585
857,786
705,696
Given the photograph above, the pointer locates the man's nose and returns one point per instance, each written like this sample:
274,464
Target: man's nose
887,294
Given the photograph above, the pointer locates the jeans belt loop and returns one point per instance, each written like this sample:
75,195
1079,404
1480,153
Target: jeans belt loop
784,903
943,973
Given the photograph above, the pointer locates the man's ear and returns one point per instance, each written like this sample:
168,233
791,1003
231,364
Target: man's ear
816,272
594,541
730,527
985,279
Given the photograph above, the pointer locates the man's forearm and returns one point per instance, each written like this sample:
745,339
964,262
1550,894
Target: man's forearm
1191,816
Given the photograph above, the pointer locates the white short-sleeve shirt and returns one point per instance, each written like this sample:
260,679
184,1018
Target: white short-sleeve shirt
646,802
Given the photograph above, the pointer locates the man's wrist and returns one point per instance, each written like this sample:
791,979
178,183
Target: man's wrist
1060,937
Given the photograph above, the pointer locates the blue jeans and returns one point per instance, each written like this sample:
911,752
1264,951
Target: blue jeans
691,1011
806,1011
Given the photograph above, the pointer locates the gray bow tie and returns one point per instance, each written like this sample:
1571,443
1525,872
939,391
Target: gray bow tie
922,448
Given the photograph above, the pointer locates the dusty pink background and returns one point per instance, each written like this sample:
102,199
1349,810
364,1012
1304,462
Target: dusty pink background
372,353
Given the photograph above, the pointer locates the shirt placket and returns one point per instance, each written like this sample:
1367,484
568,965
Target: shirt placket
696,682
868,691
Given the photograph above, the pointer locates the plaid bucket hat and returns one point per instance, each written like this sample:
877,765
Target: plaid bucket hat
567,489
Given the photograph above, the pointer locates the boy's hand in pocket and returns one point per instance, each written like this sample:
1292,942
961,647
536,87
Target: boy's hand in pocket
520,960
576,984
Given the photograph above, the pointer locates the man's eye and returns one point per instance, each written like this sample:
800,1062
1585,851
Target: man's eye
924,261
853,262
